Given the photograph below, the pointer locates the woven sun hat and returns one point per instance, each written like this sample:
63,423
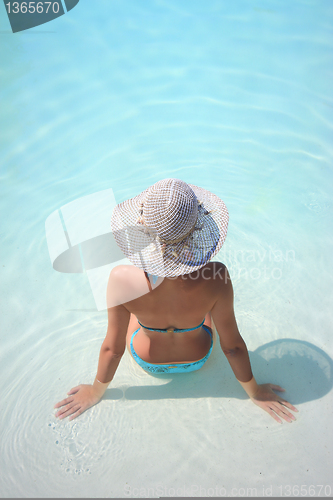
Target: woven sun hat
170,229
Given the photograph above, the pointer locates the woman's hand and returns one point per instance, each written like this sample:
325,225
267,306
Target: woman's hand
276,406
80,399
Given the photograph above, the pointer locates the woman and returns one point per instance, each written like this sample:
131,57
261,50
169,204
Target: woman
163,307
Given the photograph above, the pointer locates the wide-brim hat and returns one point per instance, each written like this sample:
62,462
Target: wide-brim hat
170,229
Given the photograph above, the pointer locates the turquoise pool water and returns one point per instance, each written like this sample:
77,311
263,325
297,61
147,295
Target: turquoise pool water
236,98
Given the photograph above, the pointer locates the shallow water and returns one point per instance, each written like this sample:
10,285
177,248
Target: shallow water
236,99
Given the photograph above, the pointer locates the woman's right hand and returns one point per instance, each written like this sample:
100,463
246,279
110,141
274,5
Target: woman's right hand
80,398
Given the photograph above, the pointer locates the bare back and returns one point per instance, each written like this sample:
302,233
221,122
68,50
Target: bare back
181,303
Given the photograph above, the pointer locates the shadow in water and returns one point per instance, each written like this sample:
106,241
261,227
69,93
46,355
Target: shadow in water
113,394
303,369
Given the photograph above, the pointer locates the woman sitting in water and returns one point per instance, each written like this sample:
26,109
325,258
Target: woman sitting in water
164,308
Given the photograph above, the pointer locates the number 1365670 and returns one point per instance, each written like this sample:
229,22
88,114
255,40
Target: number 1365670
318,490
32,7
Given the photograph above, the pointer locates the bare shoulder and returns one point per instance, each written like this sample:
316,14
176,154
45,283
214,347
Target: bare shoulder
218,273
217,268
125,283
122,273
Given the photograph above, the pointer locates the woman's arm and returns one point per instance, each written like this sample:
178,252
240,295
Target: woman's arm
84,396
236,352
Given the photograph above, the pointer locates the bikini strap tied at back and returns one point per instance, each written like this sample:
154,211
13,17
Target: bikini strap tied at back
171,330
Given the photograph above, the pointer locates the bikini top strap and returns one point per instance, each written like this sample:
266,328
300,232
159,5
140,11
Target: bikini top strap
148,281
173,329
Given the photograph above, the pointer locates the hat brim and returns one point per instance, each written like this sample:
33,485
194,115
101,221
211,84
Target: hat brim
141,246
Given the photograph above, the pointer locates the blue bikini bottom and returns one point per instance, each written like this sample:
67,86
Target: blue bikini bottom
173,367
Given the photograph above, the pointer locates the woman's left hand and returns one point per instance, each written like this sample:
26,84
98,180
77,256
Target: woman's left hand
276,406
